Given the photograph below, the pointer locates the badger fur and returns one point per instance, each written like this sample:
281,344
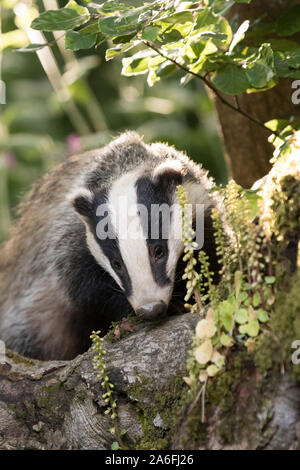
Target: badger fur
59,281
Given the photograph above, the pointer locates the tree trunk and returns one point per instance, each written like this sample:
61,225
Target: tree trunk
246,146
58,405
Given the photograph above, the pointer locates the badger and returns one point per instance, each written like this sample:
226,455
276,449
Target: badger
60,278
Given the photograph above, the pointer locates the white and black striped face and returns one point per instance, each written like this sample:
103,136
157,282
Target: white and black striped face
131,233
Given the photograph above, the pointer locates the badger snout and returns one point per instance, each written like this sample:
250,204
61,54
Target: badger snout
152,311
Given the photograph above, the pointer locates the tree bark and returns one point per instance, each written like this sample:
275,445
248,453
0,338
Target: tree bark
58,405
246,146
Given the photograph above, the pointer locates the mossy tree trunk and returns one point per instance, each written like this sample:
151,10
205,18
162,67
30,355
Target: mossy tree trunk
247,149
58,405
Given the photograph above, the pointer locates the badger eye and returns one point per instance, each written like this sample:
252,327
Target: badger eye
159,252
117,265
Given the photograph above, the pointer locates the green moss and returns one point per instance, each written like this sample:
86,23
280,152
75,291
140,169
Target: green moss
50,399
18,359
166,403
274,349
221,394
286,207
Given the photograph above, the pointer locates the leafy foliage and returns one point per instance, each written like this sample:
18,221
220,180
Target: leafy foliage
242,304
38,128
164,36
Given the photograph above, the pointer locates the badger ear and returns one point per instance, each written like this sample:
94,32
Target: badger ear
168,174
82,201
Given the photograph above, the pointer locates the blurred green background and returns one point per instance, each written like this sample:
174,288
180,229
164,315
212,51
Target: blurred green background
59,103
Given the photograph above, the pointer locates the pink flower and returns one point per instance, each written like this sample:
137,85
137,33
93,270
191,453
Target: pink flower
74,144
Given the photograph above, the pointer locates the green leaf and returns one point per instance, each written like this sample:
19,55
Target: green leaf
208,21
136,65
76,41
226,340
242,1
256,300
253,199
241,316
261,70
78,8
114,51
150,33
231,80
238,277
253,328
115,446
165,69
287,63
270,279
242,297
111,6
92,28
108,27
262,315
58,20
289,22
239,35
178,18
32,48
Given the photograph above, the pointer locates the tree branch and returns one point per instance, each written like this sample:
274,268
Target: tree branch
211,87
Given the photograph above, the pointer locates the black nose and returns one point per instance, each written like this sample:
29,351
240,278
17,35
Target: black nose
152,311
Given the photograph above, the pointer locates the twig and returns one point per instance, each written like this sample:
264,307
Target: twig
211,87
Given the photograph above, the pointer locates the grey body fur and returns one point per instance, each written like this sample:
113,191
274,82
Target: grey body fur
37,315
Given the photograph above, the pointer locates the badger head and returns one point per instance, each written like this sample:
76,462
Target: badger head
133,230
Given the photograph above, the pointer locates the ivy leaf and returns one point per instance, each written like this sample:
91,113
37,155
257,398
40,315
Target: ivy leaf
76,41
58,20
289,22
231,80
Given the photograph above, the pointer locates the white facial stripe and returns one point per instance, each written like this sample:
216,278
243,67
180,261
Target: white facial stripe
132,242
175,244
100,257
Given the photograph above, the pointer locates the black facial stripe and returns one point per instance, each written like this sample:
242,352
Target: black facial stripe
109,246
148,194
